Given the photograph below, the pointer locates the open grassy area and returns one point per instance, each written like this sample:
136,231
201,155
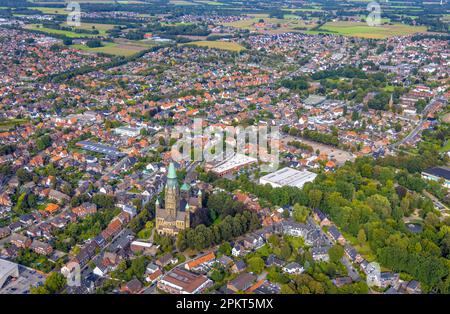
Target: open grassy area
272,25
47,10
361,29
69,34
7,124
182,2
113,49
209,2
102,28
225,45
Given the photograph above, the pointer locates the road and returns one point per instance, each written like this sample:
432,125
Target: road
419,126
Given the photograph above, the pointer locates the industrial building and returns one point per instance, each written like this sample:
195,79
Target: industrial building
288,177
7,269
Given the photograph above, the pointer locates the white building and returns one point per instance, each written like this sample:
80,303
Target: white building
127,131
288,177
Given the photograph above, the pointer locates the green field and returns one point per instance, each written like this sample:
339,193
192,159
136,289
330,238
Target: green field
224,45
38,27
7,124
46,10
109,48
361,29
102,28
120,48
272,25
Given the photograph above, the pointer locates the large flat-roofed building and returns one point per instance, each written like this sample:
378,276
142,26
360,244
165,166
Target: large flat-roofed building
180,281
7,269
100,148
438,173
233,164
127,131
288,177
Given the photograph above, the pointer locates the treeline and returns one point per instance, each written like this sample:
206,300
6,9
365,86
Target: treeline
347,71
325,138
295,83
301,145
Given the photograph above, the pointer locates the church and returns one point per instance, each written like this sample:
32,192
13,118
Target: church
175,215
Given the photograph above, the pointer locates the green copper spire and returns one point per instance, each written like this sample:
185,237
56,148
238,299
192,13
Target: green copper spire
185,187
172,174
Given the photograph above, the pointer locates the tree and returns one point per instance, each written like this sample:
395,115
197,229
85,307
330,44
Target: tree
255,265
362,236
315,197
300,213
225,248
380,204
335,253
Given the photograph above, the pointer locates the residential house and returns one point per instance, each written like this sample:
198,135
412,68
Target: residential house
293,268
241,282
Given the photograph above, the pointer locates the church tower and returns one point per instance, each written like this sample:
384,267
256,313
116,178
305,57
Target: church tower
172,201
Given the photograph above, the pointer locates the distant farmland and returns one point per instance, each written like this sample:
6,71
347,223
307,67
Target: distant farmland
361,29
225,45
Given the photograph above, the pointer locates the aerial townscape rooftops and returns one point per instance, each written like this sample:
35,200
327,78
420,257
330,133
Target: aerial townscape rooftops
223,147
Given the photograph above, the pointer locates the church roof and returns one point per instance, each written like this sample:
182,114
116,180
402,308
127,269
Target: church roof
185,186
172,174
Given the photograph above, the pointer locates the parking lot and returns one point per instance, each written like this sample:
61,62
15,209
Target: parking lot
22,284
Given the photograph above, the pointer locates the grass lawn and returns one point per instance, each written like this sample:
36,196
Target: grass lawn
446,147
361,29
225,45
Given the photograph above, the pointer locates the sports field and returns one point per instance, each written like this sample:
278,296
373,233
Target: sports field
225,45
361,29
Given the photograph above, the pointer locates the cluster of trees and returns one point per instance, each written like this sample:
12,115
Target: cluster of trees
325,138
54,283
230,227
81,231
295,83
347,71
222,204
380,101
369,199
301,145
179,29
363,200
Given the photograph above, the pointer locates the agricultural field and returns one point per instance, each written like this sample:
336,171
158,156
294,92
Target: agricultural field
361,29
102,28
45,10
209,2
272,25
120,48
39,27
182,2
6,125
225,45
